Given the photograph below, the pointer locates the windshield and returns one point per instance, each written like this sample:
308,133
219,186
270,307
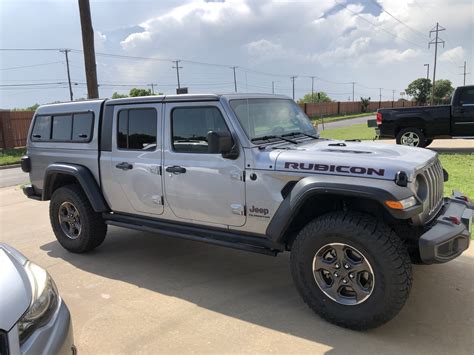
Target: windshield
271,117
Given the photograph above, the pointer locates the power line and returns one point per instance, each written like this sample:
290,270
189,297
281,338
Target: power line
377,26
30,66
400,21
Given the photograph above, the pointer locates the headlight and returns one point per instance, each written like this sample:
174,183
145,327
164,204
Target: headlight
44,301
402,204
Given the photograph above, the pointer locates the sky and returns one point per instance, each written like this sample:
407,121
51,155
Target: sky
374,43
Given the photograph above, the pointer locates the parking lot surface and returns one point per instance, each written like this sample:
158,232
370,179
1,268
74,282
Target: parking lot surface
142,293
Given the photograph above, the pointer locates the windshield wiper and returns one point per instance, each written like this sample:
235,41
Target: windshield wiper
266,138
299,133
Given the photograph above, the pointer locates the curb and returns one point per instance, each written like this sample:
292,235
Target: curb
11,166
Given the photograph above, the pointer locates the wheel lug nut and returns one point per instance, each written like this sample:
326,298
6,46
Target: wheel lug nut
337,266
336,274
346,266
351,275
344,281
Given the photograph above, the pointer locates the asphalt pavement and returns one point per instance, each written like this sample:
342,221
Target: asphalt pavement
148,294
12,177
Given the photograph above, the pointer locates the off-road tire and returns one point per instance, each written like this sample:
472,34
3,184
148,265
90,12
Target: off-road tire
382,248
415,131
93,228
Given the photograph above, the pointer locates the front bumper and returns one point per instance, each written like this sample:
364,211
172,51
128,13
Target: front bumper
55,337
450,233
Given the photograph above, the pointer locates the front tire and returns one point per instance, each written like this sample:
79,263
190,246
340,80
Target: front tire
351,269
78,228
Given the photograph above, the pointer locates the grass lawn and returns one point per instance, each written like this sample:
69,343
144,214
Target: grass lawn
340,118
11,156
357,131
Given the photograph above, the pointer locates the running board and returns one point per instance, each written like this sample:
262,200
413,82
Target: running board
260,245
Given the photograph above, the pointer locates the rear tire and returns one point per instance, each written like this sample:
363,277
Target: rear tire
412,137
362,245
78,228
428,142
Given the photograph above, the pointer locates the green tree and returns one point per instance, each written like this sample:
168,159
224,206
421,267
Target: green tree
319,96
419,89
116,95
140,92
364,103
443,91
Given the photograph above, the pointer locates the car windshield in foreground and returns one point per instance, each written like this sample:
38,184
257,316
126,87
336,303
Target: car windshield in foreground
267,119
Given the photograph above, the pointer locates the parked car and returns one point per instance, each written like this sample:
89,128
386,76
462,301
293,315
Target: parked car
419,126
251,173
33,317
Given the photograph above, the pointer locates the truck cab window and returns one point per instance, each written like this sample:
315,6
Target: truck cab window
467,97
136,129
190,126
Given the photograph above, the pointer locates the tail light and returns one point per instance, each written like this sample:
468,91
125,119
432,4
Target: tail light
379,118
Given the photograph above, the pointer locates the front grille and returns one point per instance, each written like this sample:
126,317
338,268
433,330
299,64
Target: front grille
435,183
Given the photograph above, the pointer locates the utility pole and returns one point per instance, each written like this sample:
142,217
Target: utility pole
393,95
464,73
273,87
435,41
66,51
353,85
152,88
177,67
427,65
88,47
380,94
293,82
235,79
312,89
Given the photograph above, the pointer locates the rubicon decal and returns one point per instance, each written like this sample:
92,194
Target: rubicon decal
345,169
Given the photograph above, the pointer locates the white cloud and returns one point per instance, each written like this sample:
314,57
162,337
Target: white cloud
454,54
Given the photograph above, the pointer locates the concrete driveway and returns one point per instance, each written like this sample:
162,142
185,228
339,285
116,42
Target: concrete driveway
144,293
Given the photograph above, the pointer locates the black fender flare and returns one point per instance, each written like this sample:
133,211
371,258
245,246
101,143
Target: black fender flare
374,189
85,178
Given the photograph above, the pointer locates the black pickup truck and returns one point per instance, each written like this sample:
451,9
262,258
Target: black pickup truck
418,126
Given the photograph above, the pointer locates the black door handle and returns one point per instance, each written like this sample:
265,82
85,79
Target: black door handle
176,169
124,166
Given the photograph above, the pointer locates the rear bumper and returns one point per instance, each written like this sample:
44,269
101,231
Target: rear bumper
30,192
450,234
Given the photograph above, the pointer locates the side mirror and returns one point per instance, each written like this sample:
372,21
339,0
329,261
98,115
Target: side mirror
221,143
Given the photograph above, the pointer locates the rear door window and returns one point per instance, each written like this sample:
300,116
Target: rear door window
137,129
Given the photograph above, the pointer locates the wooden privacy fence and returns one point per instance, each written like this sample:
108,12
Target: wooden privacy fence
14,127
324,109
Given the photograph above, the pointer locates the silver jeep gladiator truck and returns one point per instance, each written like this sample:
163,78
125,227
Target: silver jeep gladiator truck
250,172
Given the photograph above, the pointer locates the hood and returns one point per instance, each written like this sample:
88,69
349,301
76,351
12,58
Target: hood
361,159
15,286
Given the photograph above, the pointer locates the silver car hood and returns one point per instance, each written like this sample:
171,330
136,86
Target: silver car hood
362,159
14,285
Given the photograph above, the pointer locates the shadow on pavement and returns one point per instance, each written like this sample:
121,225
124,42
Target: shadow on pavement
438,317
